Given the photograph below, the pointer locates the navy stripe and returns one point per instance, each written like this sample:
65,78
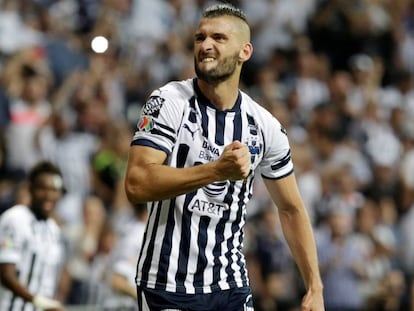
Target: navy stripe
220,127
282,162
166,249
32,263
237,127
165,127
202,259
13,300
182,155
169,137
204,119
184,248
192,117
151,246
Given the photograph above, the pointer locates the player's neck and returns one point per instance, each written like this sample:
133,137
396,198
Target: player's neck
223,95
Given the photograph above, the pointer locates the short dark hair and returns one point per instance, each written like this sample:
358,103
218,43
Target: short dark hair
43,167
224,9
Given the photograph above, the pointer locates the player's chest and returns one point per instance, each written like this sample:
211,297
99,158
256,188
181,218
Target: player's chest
203,136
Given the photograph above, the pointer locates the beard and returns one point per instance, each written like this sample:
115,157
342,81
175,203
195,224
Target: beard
224,70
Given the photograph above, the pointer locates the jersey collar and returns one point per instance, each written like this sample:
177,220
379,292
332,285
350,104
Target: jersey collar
202,99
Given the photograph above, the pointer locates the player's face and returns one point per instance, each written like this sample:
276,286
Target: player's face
45,192
217,46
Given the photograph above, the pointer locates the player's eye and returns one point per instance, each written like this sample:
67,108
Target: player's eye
199,38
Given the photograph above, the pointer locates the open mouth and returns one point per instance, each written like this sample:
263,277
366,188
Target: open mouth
208,60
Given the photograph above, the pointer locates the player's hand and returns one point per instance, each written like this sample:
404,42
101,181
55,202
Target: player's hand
234,163
313,301
46,303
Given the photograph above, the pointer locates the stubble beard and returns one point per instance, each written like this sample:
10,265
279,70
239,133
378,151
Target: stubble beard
223,71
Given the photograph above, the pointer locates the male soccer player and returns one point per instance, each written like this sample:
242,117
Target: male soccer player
31,248
193,157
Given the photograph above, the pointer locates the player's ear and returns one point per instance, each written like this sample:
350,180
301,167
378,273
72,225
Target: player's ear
246,52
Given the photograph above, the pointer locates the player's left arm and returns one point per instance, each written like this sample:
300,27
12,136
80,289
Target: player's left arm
298,232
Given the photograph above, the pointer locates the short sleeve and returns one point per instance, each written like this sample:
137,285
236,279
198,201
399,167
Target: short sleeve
160,119
276,162
10,240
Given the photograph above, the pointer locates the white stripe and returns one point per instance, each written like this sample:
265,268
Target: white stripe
211,241
175,244
193,256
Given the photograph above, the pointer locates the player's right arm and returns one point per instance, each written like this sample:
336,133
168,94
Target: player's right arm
149,179
8,278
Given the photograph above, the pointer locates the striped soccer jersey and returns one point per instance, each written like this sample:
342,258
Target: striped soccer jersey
193,243
36,248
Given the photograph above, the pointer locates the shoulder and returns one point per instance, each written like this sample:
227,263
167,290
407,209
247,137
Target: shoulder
170,100
175,90
18,214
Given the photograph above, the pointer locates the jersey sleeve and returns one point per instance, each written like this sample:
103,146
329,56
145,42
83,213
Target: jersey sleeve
11,239
159,120
276,162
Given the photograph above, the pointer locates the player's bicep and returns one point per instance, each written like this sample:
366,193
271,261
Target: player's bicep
284,192
141,163
141,156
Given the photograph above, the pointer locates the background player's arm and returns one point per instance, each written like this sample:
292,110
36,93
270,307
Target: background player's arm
148,179
299,235
121,284
8,278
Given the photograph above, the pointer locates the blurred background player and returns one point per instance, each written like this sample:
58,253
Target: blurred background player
31,246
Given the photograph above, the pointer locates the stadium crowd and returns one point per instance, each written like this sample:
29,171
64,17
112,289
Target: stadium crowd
338,74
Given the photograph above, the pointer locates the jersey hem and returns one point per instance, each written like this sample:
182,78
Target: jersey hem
148,143
197,290
279,177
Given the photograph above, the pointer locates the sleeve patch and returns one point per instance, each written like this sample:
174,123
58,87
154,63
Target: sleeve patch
153,106
145,123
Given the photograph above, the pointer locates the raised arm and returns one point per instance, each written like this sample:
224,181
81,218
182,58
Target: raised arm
149,179
299,235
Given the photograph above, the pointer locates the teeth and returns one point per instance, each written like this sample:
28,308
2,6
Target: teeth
208,60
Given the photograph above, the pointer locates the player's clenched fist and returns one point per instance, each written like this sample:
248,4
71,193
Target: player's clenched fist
234,163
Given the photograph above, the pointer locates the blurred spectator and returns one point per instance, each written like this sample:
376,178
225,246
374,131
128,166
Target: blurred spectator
383,285
109,162
342,262
121,274
29,111
70,150
273,273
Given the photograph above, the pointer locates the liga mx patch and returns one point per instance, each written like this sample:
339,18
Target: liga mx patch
153,106
145,123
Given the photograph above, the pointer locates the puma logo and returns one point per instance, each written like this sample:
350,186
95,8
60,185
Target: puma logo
192,132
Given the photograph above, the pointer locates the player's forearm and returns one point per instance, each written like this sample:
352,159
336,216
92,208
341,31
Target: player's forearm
121,284
9,280
158,182
299,235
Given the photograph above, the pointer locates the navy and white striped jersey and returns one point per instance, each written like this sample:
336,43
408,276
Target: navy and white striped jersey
193,243
36,248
